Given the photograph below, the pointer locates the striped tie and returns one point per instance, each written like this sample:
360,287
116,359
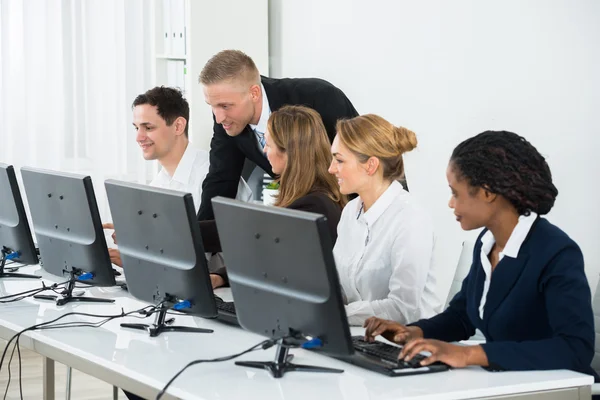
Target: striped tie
261,138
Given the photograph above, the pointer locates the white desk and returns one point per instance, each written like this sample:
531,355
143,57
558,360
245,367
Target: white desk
132,360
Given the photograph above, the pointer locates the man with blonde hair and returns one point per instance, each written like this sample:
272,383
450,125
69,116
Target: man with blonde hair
241,101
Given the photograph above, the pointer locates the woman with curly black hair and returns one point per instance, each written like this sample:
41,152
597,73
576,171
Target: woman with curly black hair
526,290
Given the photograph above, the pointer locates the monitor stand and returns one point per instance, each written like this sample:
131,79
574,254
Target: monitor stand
282,363
5,252
67,294
162,324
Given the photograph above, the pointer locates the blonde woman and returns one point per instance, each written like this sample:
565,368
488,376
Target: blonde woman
385,238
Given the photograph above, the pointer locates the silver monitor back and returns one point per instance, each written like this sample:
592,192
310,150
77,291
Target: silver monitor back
160,244
67,224
14,227
282,273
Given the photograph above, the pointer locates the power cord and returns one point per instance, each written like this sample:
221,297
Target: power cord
15,266
9,373
11,298
144,313
265,344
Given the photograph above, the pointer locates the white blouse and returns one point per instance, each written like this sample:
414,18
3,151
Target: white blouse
511,249
384,259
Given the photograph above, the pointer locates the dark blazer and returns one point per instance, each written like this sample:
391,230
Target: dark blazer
538,313
315,202
227,154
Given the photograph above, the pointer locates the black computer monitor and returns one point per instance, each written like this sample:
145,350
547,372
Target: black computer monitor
161,249
283,278
15,236
69,232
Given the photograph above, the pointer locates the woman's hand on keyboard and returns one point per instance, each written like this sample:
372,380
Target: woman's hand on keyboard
392,331
451,354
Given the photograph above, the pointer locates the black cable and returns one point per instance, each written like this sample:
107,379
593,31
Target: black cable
73,324
48,325
33,292
265,344
9,374
54,285
13,268
20,371
30,293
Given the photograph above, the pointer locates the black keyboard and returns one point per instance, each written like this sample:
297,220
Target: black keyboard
385,352
226,306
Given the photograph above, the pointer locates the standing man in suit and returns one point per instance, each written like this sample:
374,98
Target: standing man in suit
241,101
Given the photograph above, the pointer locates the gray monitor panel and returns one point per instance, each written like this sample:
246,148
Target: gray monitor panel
160,244
282,273
14,227
67,224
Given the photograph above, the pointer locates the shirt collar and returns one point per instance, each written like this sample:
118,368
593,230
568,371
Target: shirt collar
184,168
516,239
487,242
381,204
518,235
265,113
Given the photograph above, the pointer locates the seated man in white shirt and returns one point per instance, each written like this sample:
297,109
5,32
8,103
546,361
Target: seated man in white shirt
384,248
160,117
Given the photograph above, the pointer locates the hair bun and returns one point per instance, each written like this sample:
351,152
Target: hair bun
406,140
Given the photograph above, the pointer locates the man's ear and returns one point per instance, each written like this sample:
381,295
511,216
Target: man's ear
255,92
180,124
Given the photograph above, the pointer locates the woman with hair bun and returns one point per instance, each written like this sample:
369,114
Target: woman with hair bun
385,238
527,290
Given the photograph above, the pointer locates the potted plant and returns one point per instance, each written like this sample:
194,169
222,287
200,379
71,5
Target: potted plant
270,192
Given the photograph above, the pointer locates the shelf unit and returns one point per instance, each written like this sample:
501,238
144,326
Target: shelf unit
209,27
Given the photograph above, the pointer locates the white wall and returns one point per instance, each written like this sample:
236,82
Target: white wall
449,70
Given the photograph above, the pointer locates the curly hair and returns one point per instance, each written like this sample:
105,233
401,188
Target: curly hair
506,164
169,102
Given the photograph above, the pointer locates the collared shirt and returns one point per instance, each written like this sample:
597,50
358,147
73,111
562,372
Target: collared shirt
264,117
384,258
511,249
190,174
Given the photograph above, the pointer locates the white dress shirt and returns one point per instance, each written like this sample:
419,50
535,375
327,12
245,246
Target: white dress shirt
264,117
384,259
511,249
190,174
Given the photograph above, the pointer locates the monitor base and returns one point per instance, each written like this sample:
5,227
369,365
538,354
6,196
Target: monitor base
67,294
162,324
5,252
281,364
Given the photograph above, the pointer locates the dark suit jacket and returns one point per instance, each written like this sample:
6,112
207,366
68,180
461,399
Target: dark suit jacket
227,154
538,313
315,202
